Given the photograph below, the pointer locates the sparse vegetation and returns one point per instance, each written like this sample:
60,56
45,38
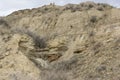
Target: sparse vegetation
40,42
93,19
60,70
4,23
100,8
71,42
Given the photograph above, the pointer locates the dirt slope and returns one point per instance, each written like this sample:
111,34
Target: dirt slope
71,42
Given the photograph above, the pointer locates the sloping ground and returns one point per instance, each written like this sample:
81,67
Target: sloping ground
71,42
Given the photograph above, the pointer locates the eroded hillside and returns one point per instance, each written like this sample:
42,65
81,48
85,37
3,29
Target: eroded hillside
71,42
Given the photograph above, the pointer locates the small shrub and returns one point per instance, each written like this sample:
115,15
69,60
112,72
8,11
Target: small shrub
60,70
93,19
90,6
100,8
53,75
4,23
40,42
46,9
